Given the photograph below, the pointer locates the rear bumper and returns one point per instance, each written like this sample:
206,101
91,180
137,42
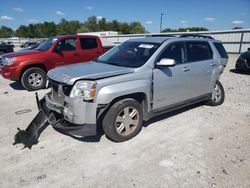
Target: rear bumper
62,125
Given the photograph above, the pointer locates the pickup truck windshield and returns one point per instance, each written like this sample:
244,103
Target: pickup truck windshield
47,44
129,54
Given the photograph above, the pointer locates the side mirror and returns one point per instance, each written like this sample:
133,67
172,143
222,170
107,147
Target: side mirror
166,62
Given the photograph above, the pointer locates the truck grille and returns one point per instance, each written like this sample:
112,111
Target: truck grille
55,87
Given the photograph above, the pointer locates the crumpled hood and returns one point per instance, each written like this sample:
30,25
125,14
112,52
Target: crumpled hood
91,70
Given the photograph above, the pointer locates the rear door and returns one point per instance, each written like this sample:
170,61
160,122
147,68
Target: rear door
65,52
90,49
201,63
172,85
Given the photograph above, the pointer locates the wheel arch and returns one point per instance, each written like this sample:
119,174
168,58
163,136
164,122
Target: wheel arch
32,66
138,96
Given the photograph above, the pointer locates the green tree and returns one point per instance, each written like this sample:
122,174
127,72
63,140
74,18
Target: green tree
6,32
68,27
82,29
136,28
102,25
48,29
124,28
92,24
167,30
116,26
22,31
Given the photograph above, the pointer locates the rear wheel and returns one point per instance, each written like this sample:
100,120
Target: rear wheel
218,95
33,79
123,121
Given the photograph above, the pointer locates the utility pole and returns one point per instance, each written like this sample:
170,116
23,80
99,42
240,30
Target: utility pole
161,22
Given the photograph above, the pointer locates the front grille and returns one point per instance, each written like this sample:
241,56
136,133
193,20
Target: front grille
55,86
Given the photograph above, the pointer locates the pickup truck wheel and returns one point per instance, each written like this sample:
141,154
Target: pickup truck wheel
123,121
33,79
218,95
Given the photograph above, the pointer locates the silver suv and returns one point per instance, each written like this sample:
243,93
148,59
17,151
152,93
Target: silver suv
133,82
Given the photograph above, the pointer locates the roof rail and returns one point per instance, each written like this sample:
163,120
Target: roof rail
160,35
195,35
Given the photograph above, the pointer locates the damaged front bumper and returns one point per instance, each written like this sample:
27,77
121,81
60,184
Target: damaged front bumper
71,116
62,118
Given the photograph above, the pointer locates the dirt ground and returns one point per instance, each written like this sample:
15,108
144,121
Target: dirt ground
200,146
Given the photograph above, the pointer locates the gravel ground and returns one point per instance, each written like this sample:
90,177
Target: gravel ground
200,146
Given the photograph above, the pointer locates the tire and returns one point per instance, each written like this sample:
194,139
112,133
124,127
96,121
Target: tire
33,79
218,95
117,122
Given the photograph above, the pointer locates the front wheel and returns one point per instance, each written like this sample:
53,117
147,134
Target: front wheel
218,95
123,121
33,79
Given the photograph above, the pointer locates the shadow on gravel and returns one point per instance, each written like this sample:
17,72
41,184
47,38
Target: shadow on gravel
17,85
95,138
170,114
23,137
240,72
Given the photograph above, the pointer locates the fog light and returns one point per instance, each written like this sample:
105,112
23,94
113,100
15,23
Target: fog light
68,114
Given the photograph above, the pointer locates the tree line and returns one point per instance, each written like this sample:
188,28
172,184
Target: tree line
49,29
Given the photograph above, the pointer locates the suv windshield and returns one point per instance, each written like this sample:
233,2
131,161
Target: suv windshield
47,44
129,54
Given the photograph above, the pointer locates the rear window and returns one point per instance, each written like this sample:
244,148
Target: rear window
198,51
221,50
88,43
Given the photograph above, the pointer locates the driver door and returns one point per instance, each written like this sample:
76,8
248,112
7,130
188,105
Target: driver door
65,52
172,84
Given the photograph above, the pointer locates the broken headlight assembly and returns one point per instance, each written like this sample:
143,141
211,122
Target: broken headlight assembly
84,89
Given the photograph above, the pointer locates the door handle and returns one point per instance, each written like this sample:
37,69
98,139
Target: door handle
185,69
212,64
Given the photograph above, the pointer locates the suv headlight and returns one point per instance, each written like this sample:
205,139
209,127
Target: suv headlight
84,89
8,60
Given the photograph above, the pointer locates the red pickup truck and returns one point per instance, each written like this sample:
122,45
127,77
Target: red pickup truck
31,66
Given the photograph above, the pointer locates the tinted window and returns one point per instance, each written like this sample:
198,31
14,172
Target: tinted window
88,43
66,45
198,51
221,50
129,54
174,51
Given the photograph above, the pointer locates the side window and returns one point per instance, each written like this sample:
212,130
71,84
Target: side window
66,45
198,51
175,51
88,43
221,50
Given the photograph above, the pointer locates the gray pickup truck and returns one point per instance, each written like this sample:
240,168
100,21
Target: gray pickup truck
133,82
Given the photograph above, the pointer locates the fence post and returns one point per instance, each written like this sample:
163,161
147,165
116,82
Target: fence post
241,40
